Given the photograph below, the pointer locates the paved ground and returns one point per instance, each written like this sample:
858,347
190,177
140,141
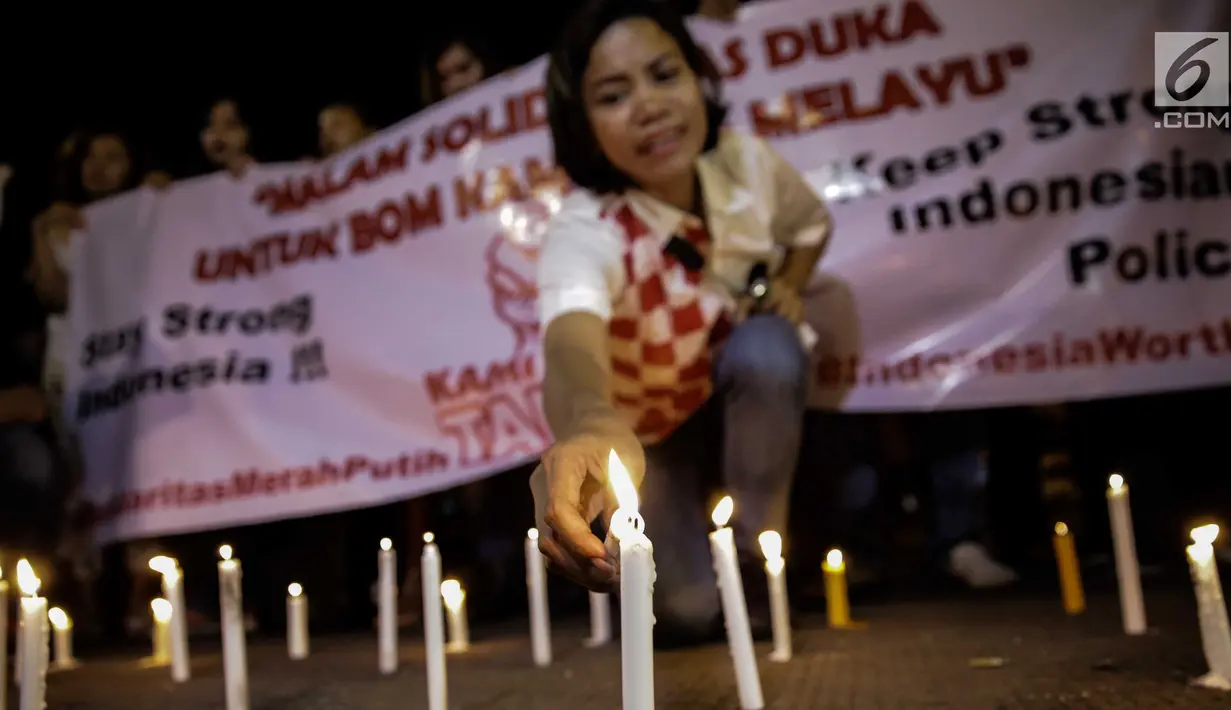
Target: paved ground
910,656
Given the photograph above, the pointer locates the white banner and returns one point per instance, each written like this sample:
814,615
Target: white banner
1011,227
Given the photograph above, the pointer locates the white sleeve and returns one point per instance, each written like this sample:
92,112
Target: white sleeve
800,218
580,265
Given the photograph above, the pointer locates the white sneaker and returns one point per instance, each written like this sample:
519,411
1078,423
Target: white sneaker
973,564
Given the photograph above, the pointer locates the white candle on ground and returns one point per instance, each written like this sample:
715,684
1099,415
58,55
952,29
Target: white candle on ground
779,608
1128,574
62,639
536,584
17,650
600,620
33,695
173,591
433,626
637,575
296,623
4,645
455,605
735,608
234,650
386,608
1211,608
160,609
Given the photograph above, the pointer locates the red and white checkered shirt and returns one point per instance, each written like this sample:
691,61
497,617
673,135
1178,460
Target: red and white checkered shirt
604,255
664,329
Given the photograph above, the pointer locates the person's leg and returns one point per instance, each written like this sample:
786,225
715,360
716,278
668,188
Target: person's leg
762,379
957,482
673,498
28,476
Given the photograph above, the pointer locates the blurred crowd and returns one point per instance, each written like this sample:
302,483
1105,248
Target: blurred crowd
941,490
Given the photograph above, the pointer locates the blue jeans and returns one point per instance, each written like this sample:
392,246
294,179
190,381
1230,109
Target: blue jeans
757,411
956,480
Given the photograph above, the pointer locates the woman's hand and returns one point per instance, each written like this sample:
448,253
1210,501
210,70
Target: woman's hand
51,230
24,405
158,179
570,490
781,299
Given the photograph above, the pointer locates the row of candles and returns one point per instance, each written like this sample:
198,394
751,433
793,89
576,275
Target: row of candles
637,572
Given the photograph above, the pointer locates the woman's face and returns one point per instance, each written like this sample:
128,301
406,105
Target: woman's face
225,137
645,104
458,69
106,166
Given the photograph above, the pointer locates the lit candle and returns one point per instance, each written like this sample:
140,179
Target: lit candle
173,592
1070,573
779,609
62,639
837,603
600,620
637,573
4,645
296,622
433,625
1132,605
536,582
735,608
33,695
455,604
1211,608
234,652
387,608
160,609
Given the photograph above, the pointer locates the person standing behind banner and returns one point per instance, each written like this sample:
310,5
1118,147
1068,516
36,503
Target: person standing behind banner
92,165
454,65
226,138
341,125
652,337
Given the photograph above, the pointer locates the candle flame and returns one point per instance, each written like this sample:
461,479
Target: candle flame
1115,481
428,538
833,559
225,552
1204,535
722,512
163,565
621,484
386,544
59,620
161,608
295,589
771,545
27,581
453,594
1062,529
532,533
